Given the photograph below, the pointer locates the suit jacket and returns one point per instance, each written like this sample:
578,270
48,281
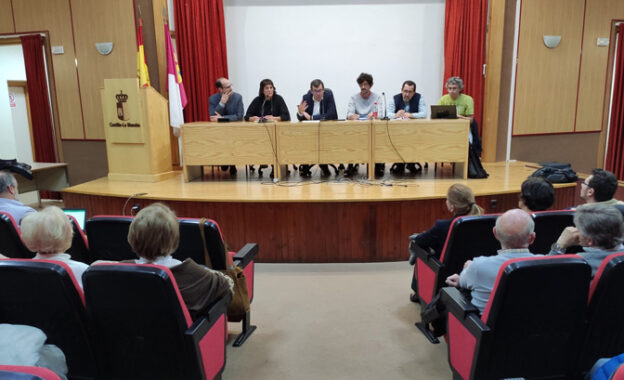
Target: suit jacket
233,109
435,237
328,106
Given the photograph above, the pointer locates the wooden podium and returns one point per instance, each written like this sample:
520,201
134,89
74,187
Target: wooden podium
136,122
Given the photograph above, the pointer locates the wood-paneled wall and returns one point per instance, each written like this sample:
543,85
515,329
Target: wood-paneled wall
545,100
77,25
559,92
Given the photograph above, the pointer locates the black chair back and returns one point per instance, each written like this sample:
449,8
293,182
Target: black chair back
605,334
548,227
108,238
191,243
139,321
11,244
536,312
79,249
44,294
469,237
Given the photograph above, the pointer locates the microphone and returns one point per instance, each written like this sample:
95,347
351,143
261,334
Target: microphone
123,209
262,109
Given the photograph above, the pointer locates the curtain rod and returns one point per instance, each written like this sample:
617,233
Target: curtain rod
21,34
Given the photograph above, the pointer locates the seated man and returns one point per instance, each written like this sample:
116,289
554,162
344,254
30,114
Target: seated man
364,105
226,104
317,104
537,194
514,230
407,105
8,198
465,109
600,187
599,230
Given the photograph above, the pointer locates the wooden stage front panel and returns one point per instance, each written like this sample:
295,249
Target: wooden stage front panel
316,222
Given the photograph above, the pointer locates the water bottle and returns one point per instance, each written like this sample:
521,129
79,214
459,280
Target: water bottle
375,113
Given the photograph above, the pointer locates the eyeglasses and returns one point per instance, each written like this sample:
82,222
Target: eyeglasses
585,183
318,91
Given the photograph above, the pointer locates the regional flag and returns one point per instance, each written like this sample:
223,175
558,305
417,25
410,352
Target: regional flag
142,71
177,95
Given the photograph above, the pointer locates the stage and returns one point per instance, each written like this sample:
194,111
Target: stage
317,219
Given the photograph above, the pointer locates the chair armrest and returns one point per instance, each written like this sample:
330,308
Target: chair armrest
422,254
202,324
457,304
246,254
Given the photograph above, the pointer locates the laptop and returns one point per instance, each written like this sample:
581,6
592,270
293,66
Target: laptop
79,214
443,112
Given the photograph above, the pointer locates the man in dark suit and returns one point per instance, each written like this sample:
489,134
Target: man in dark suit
317,104
226,104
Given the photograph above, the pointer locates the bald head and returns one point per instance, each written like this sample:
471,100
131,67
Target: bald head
514,229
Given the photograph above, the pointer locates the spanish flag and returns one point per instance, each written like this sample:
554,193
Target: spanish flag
142,71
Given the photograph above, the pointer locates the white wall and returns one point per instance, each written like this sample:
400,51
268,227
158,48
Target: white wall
293,42
12,63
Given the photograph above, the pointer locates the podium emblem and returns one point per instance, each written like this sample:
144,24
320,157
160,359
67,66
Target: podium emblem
122,112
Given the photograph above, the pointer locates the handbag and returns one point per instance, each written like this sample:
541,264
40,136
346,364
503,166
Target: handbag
475,169
239,307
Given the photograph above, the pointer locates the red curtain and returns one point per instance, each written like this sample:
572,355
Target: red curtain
464,47
615,145
39,100
200,38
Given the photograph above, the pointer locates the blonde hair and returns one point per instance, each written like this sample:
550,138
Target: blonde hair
154,232
461,197
47,231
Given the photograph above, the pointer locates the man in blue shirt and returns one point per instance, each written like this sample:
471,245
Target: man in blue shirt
8,198
514,230
226,104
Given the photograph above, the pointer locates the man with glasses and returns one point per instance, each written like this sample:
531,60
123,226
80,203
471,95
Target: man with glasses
226,104
8,198
317,104
407,105
600,187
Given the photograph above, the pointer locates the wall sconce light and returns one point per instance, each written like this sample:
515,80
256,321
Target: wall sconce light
552,42
104,48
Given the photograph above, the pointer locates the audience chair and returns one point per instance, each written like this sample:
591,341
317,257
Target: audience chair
191,246
18,372
143,330
605,332
531,323
45,294
11,244
468,237
79,249
108,238
548,227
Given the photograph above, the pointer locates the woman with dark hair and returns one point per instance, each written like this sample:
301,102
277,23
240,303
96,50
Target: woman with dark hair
268,105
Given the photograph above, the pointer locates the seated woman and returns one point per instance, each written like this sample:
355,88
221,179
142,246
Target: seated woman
268,105
154,235
49,233
460,201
